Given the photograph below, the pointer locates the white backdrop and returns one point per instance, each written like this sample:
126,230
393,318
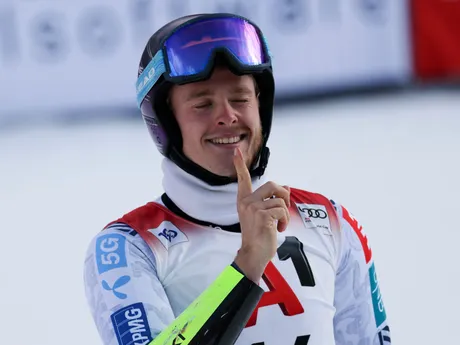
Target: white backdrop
393,161
68,55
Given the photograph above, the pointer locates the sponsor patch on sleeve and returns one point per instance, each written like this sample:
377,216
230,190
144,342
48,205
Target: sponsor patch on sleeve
377,301
110,252
131,326
168,234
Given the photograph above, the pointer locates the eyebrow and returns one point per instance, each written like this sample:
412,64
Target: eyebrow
239,90
242,90
198,94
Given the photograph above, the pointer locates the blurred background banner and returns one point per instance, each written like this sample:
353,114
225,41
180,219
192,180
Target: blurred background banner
436,39
57,57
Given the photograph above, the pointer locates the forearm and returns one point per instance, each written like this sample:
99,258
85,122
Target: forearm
218,315
251,265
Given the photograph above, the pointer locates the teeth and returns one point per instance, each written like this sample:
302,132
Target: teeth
226,140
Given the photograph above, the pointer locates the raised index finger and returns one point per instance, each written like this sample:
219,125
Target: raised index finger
242,172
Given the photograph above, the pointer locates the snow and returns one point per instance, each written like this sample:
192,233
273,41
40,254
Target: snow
392,160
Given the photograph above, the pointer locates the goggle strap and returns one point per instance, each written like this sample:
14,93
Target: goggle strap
267,47
150,76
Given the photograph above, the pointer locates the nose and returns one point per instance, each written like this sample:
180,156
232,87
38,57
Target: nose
226,115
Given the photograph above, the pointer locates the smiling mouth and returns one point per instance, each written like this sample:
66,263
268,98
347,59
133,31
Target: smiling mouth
229,140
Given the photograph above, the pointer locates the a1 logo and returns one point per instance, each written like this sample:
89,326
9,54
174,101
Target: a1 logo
280,292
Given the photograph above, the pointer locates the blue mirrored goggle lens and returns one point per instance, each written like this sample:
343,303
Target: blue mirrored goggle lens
190,48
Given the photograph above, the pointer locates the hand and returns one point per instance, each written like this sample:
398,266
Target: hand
261,213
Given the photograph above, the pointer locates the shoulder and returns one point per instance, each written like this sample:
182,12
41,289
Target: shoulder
155,224
126,231
127,239
347,230
303,199
354,235
301,196
315,205
114,243
353,239
141,218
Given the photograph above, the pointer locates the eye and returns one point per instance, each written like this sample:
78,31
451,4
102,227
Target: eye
240,100
203,105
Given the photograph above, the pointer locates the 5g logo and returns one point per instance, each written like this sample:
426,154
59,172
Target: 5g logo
110,252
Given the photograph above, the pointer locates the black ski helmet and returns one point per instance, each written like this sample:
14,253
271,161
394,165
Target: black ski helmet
160,120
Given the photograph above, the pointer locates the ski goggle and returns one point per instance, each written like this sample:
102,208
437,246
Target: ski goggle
187,54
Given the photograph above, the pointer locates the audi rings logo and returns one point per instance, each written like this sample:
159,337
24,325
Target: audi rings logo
315,216
313,212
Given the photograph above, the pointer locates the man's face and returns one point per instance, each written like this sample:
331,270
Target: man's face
216,116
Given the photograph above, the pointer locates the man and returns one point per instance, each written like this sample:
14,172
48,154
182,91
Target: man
225,256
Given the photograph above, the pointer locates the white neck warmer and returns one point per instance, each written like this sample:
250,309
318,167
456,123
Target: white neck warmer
213,204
